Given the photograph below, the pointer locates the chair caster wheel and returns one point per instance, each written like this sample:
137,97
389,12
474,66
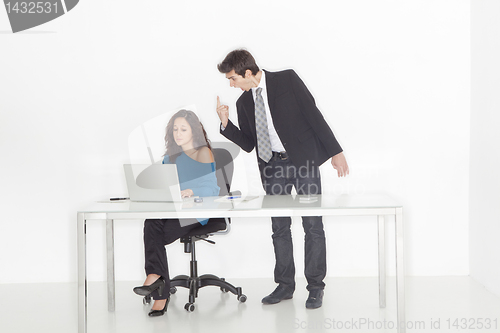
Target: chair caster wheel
242,298
173,290
189,307
146,300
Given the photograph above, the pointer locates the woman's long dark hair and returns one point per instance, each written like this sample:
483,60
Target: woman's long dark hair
199,135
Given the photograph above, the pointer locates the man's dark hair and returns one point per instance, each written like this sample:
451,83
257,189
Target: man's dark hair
240,60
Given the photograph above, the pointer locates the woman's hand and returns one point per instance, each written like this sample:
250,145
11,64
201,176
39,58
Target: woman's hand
187,193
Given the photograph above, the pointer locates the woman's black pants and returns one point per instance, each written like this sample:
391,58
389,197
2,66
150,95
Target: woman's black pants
157,234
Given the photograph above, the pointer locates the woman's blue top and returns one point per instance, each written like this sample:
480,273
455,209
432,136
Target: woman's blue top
197,176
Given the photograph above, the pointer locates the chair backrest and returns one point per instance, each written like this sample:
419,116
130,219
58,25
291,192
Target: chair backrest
224,171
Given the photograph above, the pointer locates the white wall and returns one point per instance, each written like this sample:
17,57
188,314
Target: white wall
485,137
391,77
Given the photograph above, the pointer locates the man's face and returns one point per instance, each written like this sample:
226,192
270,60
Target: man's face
238,81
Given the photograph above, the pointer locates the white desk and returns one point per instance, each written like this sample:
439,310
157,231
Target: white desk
265,206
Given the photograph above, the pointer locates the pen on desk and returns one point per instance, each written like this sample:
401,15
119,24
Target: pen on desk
234,197
113,199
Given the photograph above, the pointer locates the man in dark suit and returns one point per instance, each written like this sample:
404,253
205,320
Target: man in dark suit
277,115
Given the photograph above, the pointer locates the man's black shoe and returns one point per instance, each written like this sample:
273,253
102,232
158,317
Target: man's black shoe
279,294
315,299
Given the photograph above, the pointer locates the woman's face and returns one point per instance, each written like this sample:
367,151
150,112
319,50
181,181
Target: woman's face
183,135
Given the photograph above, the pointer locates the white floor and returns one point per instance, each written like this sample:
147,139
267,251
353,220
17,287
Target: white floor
433,304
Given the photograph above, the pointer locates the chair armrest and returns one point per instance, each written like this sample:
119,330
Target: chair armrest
228,228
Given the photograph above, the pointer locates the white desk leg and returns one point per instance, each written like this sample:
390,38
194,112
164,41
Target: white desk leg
82,273
110,250
381,261
400,272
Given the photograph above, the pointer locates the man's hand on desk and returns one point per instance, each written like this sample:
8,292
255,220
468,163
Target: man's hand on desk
339,163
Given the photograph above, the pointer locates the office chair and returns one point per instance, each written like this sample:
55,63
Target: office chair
224,173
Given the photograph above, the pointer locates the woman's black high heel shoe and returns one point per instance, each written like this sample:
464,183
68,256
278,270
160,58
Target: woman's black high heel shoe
156,313
146,290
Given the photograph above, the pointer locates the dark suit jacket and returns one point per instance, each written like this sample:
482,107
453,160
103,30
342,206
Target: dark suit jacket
306,136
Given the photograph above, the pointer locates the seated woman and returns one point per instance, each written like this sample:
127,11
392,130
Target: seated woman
188,147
